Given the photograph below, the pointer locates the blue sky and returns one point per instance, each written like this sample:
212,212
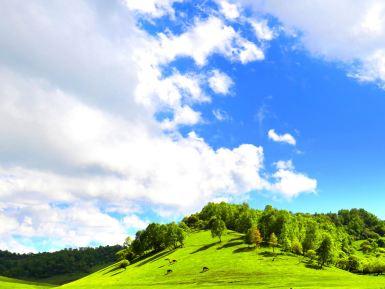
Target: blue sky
113,115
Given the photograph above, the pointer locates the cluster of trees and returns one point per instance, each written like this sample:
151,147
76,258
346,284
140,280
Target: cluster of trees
359,223
44,265
364,266
155,238
325,238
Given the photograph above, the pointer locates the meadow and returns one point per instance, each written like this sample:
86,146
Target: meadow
231,264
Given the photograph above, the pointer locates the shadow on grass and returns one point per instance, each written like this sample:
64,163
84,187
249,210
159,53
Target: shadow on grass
230,244
155,257
312,266
269,254
118,272
205,247
244,249
113,269
237,238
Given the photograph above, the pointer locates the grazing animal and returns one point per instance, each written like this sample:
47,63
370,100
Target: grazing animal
205,269
168,271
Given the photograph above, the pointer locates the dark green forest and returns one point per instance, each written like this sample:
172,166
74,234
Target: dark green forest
44,265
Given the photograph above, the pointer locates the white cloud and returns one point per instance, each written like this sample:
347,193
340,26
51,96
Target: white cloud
220,82
79,130
76,226
152,8
184,115
262,30
229,10
328,33
285,138
205,38
290,184
285,165
133,221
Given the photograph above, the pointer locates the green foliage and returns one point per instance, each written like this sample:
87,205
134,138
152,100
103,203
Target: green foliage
325,251
311,254
123,264
174,235
273,241
373,266
217,227
45,265
296,247
311,236
157,237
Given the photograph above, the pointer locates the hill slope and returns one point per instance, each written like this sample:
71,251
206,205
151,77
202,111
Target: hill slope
9,283
232,264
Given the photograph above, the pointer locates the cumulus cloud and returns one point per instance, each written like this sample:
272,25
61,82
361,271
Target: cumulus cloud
205,38
229,10
290,183
220,82
328,33
285,138
262,30
89,122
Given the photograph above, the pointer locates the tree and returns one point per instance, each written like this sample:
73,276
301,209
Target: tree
217,227
311,236
253,236
127,242
273,241
296,247
325,251
174,236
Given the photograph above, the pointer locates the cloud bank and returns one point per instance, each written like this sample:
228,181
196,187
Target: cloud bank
81,140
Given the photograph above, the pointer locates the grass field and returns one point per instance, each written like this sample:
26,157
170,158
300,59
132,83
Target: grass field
8,283
232,264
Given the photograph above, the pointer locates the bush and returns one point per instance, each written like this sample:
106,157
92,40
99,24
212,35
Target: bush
373,267
123,264
296,247
354,264
311,254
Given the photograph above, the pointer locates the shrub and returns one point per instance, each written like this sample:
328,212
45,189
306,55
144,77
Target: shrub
311,254
296,247
354,264
123,264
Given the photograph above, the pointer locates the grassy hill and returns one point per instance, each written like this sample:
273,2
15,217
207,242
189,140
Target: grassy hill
9,283
232,264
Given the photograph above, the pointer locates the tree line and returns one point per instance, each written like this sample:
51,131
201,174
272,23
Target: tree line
45,265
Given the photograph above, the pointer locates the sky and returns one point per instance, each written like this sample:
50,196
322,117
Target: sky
115,114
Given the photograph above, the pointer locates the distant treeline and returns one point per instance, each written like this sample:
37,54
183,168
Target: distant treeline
44,265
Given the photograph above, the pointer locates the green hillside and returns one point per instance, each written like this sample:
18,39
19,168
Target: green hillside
8,283
232,264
